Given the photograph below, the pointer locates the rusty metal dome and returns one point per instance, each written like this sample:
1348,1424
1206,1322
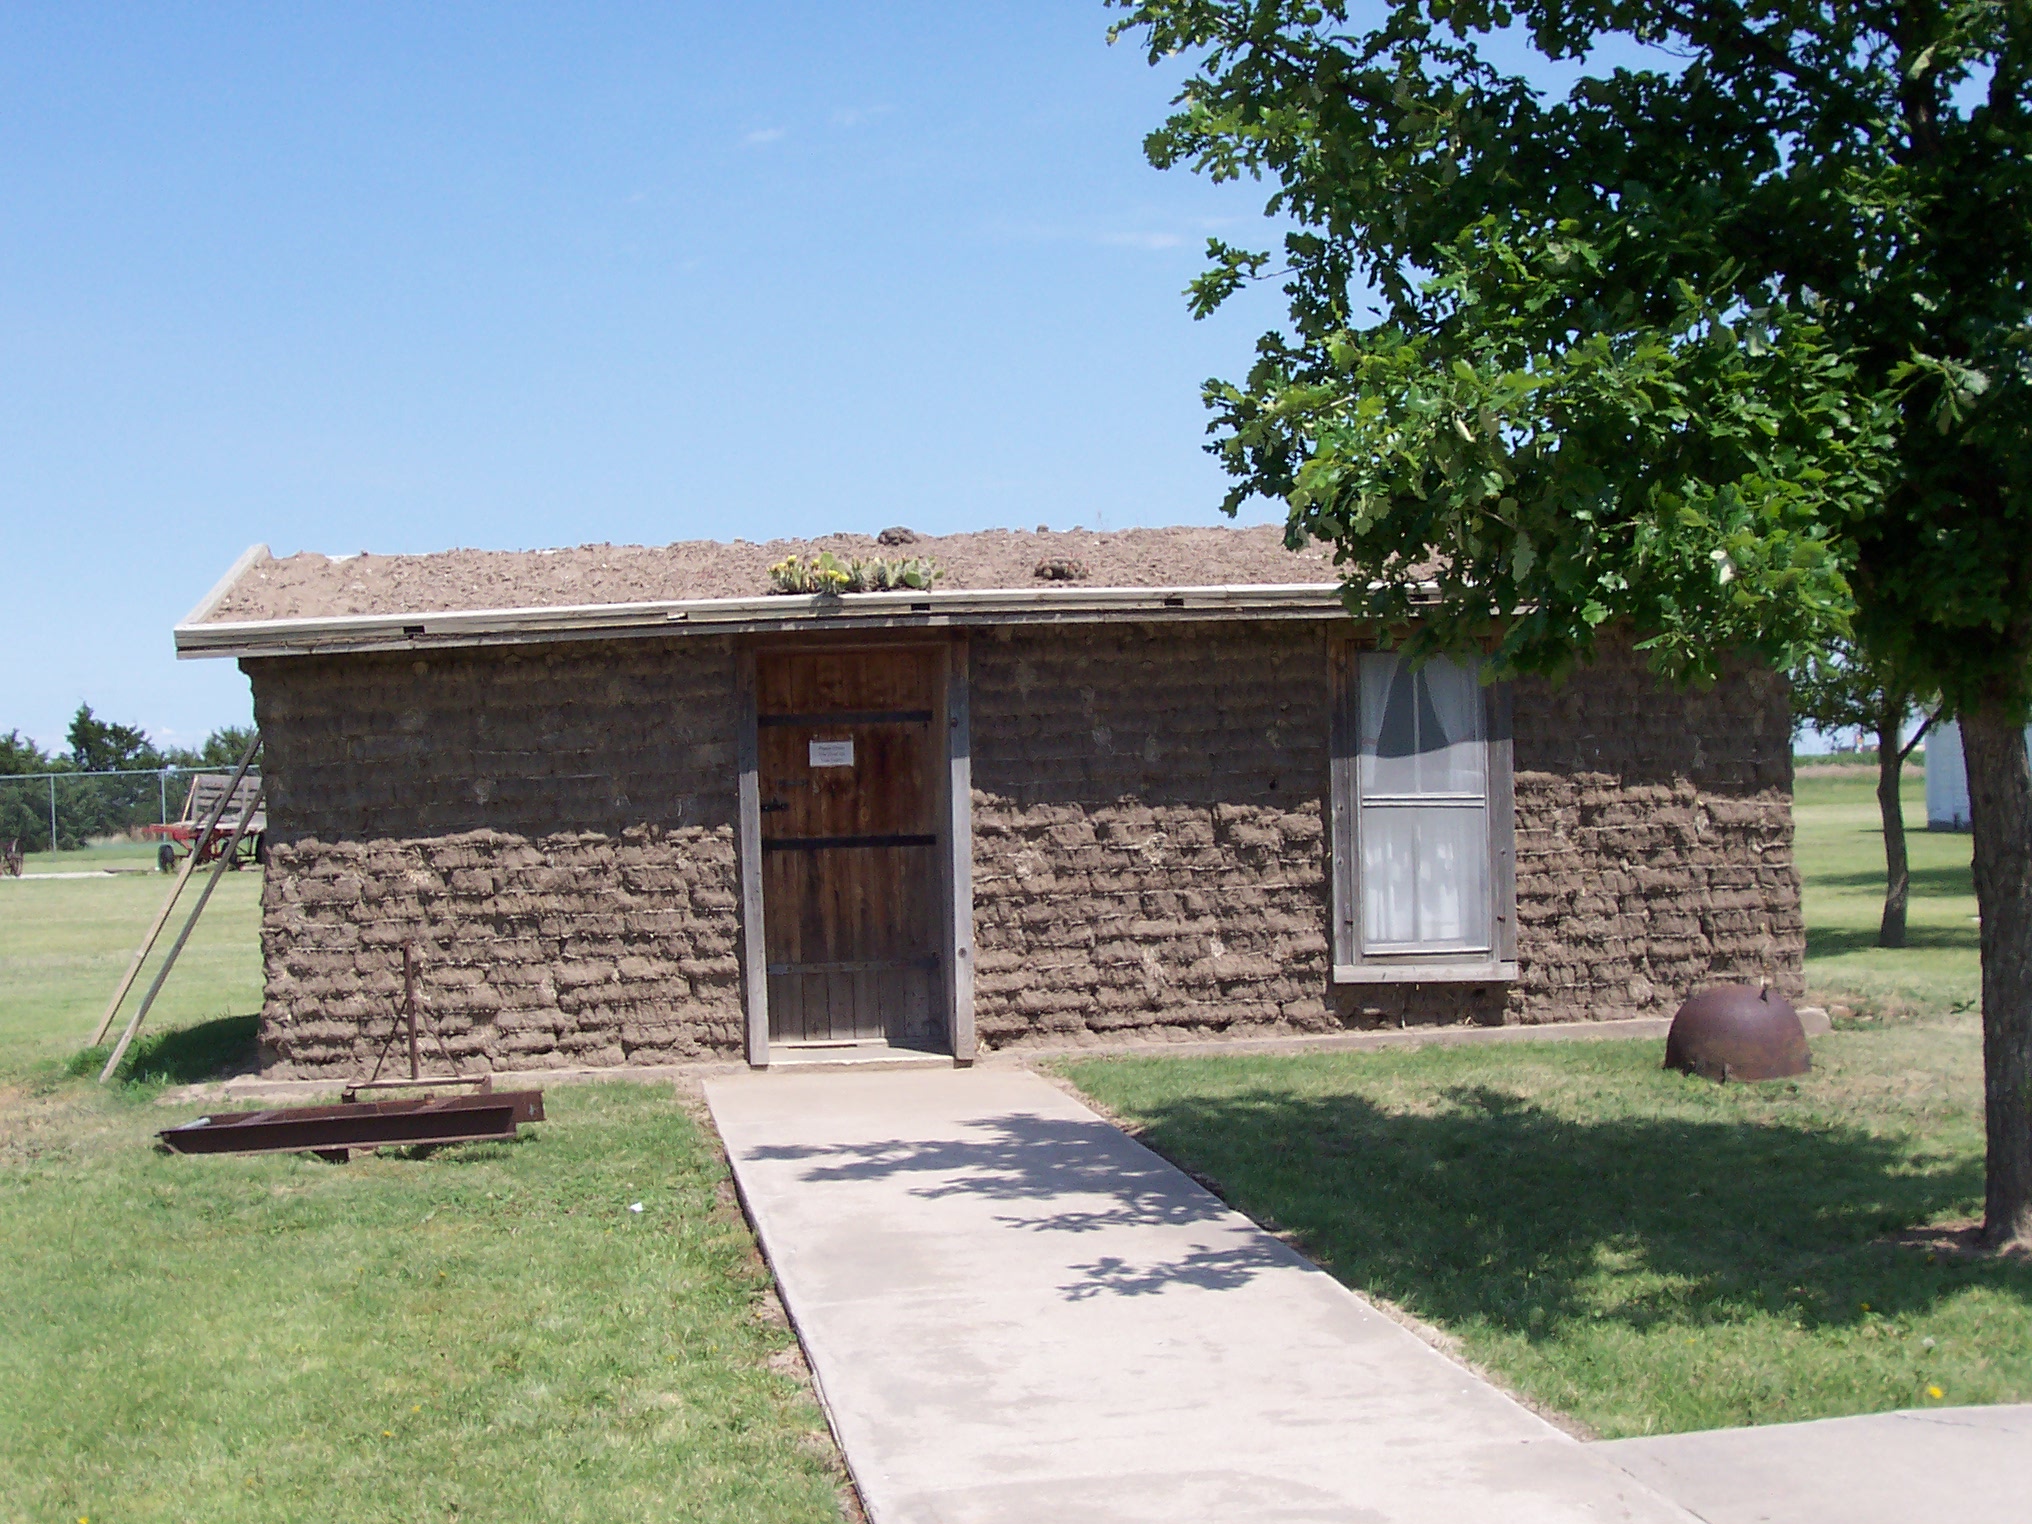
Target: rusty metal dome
1738,1032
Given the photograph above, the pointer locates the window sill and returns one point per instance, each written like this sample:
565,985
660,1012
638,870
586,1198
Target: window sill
1424,973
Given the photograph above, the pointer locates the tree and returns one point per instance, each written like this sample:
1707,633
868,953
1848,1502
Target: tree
21,819
93,807
98,746
225,746
222,748
1843,689
20,754
1730,347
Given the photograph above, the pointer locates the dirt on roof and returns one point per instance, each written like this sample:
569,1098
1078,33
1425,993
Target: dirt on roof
312,586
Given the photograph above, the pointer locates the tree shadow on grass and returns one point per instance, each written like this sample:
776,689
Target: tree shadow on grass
1493,1210
1955,882
1831,941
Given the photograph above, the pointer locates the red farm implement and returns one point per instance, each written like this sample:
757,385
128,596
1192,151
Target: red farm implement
186,834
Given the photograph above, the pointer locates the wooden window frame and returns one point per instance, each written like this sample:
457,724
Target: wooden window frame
1351,965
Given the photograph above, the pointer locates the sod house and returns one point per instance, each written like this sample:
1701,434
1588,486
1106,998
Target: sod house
627,805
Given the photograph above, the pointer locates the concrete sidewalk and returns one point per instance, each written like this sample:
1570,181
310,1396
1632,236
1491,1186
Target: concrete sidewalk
1968,1465
1019,1315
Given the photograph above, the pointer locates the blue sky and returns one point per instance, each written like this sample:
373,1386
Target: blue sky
398,278
347,277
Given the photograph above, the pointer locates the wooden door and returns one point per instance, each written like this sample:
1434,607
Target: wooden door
849,750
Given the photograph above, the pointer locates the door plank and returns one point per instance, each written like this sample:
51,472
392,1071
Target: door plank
851,854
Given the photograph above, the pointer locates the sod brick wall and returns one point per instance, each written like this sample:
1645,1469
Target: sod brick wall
1150,855
1654,840
553,828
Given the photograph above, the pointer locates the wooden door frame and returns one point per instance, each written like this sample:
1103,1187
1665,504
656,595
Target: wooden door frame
956,832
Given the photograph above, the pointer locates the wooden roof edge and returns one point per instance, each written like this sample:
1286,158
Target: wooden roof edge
224,585
765,613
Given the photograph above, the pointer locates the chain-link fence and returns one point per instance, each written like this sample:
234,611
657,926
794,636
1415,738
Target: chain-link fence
72,808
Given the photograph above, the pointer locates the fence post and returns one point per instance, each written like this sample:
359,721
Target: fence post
52,814
162,795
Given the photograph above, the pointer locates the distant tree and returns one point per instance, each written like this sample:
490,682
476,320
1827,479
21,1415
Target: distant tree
222,748
88,807
94,807
225,746
99,746
1842,688
22,817
19,754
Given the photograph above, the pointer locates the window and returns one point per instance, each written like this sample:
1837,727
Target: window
1422,821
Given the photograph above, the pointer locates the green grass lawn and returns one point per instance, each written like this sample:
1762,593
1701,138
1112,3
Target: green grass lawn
1841,861
1643,1252
65,942
483,1332
487,1332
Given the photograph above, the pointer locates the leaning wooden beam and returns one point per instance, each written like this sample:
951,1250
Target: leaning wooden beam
218,871
176,890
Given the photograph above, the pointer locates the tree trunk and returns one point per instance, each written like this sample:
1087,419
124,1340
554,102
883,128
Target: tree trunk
1897,871
2000,810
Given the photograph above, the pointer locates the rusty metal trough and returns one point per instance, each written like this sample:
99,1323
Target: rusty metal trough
332,1132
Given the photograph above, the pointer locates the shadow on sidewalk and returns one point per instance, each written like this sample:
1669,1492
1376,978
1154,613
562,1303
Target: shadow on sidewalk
1104,1181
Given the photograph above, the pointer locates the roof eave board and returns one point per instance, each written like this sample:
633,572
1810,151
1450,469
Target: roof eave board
775,613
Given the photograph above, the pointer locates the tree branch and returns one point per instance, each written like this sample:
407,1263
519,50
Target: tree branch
1920,734
1696,22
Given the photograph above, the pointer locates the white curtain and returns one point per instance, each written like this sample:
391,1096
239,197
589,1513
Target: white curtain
1423,773
1425,877
1421,728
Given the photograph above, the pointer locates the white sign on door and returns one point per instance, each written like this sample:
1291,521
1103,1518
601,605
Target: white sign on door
832,753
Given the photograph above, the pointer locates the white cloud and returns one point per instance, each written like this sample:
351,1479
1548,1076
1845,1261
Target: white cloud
854,116
1149,239
763,135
